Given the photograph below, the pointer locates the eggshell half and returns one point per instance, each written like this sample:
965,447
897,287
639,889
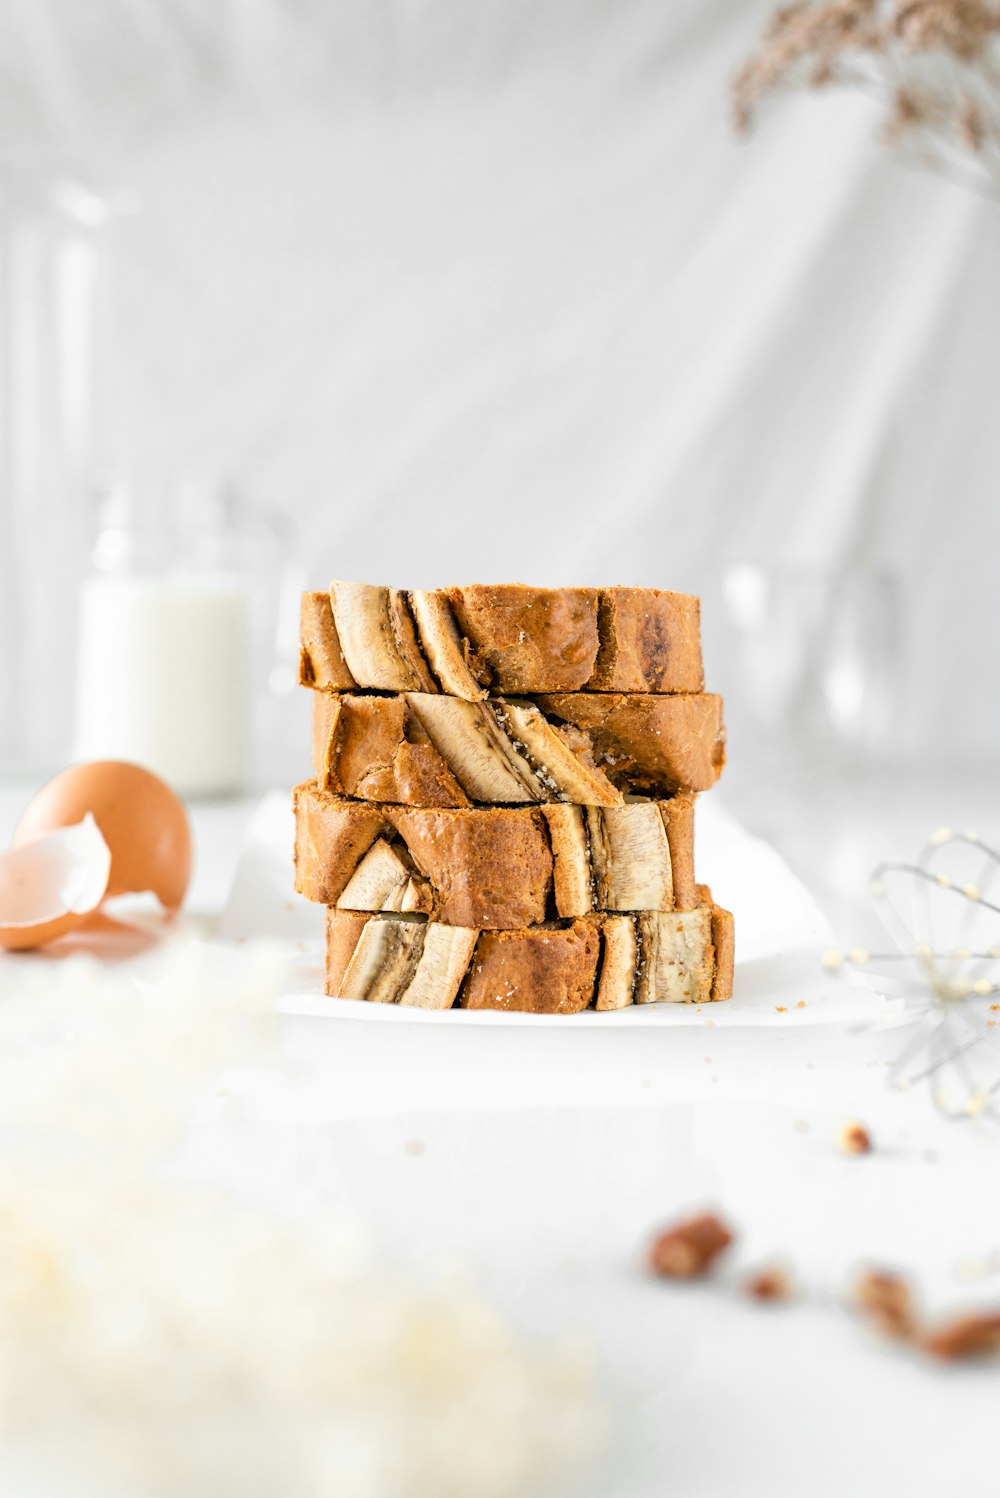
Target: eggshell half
50,886
143,822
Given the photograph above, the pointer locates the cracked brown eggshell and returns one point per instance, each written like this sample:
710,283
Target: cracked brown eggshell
142,820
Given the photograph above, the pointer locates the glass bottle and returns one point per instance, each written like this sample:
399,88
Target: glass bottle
164,668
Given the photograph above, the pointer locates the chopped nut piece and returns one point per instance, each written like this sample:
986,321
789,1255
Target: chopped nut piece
854,1139
769,1283
689,1250
971,1336
887,1300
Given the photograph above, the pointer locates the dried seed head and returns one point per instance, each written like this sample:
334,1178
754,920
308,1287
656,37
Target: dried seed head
963,28
889,44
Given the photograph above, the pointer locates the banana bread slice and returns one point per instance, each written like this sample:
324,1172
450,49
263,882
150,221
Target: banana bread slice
423,749
493,868
501,638
560,967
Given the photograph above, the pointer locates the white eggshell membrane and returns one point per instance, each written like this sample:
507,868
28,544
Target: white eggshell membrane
50,885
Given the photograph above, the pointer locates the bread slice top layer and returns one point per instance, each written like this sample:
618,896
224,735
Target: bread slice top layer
502,638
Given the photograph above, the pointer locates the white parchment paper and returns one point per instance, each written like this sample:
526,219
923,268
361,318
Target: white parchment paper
780,934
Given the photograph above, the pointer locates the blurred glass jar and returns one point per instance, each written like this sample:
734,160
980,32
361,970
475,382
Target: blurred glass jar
51,273
177,625
817,658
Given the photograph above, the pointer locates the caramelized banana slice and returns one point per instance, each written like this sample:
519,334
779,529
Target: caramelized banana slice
630,857
385,880
618,969
378,639
476,750
384,960
609,858
677,958
572,876
563,774
443,646
444,961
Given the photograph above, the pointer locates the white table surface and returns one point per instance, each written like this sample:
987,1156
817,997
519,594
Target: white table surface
544,1158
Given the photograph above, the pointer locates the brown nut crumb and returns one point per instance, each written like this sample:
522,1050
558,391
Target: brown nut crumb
769,1283
887,1300
970,1336
689,1250
854,1139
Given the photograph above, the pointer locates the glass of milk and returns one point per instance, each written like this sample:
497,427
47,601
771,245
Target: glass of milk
163,674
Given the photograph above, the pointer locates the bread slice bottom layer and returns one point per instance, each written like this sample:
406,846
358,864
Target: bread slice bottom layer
598,962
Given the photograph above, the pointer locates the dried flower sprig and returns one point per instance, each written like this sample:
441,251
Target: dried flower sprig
944,970
934,63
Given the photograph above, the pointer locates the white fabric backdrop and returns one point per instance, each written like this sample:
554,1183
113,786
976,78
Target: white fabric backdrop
491,291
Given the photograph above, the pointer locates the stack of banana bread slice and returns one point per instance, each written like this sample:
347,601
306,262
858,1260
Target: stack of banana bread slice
502,814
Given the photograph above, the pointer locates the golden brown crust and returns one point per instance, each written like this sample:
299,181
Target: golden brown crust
678,819
421,778
650,642
543,971
489,867
331,838
530,639
380,749
724,942
326,710
321,660
655,744
374,748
